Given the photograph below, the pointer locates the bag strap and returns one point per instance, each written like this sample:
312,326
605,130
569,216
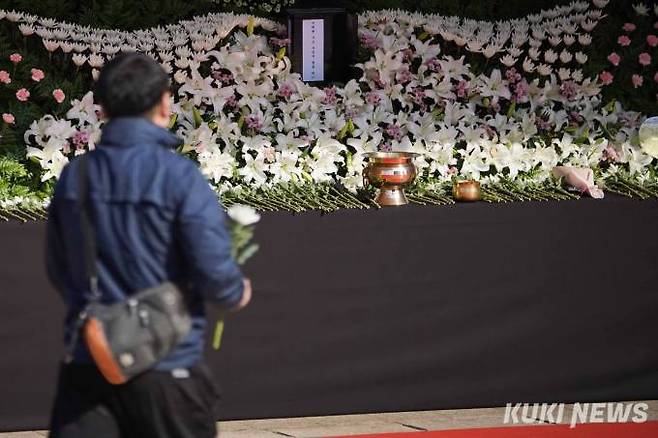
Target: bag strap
90,256
88,234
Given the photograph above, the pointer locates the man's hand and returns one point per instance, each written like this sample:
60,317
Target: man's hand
246,296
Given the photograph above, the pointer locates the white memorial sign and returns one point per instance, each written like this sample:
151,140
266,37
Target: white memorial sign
313,50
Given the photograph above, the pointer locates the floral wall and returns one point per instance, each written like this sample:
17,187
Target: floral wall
502,101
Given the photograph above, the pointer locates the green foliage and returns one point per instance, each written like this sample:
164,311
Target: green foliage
14,178
59,72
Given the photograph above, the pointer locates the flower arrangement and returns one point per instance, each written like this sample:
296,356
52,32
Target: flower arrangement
633,63
501,102
257,6
26,92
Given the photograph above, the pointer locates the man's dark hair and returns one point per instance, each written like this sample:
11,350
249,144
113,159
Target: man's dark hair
131,85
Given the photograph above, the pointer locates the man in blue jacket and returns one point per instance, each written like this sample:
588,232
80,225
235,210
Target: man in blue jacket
156,219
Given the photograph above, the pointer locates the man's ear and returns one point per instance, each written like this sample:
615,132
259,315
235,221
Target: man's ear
162,112
165,106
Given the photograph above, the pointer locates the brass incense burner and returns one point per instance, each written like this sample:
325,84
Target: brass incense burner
467,191
390,172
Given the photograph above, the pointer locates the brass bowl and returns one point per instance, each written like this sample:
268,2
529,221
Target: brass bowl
466,191
390,172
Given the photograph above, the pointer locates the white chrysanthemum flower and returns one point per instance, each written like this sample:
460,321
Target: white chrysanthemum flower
564,74
581,58
550,56
544,69
565,56
641,9
243,214
528,65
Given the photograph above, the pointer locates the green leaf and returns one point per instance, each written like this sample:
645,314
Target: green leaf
198,120
172,121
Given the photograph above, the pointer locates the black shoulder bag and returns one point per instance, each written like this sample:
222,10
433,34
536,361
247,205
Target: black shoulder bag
128,337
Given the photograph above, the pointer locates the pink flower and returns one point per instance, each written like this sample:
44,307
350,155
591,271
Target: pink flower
403,76
624,41
285,91
614,59
8,118
23,95
37,75
644,59
15,58
655,77
330,96
606,77
4,77
394,131
452,170
254,122
59,95
652,40
611,154
629,27
637,81
372,98
462,88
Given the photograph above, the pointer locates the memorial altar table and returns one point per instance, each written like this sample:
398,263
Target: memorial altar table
413,308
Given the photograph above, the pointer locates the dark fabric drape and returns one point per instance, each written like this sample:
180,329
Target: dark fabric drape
400,309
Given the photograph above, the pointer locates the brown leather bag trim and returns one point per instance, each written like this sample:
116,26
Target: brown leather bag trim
101,352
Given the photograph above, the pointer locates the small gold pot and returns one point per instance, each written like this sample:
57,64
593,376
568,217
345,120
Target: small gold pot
466,191
390,172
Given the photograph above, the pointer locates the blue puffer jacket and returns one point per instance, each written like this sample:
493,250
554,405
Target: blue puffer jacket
156,219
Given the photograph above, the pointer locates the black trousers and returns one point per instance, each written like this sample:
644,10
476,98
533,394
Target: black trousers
156,404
